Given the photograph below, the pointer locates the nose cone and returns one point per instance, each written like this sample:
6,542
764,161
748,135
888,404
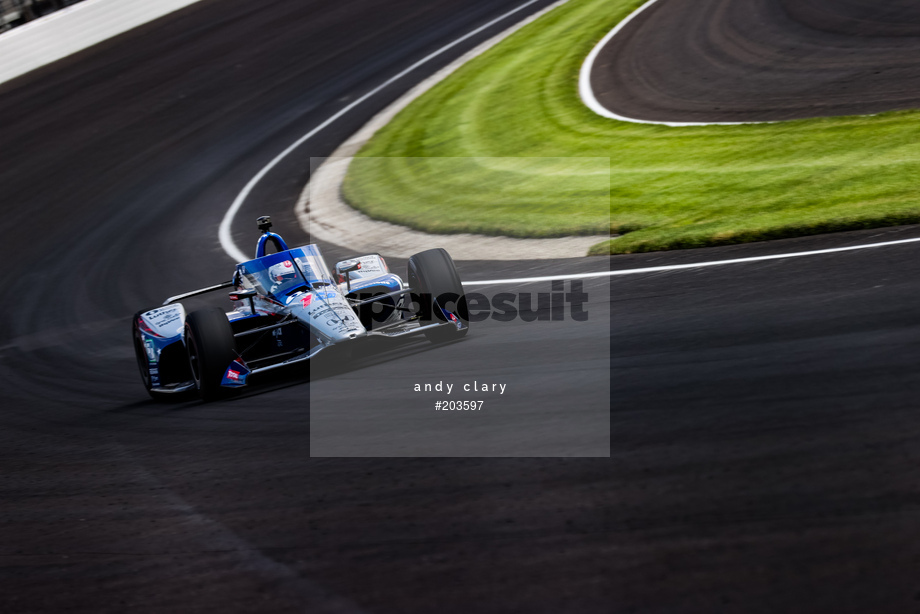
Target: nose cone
328,314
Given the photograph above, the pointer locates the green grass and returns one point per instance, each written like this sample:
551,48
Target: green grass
504,146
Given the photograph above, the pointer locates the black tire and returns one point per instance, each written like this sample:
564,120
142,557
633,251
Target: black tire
211,348
432,274
142,363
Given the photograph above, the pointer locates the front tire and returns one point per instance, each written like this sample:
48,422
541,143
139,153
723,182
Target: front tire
432,274
211,348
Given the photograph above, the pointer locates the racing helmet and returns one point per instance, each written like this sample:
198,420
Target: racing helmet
283,272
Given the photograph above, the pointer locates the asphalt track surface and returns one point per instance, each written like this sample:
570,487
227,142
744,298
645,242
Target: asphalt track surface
762,60
764,429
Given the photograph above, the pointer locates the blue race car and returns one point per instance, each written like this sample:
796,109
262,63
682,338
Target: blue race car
287,308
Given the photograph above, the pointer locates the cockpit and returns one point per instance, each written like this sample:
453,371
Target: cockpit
284,274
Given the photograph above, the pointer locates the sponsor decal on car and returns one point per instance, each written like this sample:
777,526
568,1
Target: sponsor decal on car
305,301
371,265
236,374
452,318
322,312
163,321
151,350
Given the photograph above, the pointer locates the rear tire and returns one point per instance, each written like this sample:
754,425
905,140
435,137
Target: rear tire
432,274
211,348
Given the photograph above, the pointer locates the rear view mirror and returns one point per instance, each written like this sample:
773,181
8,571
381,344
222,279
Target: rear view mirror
342,270
239,295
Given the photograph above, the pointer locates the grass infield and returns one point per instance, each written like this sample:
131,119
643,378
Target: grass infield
504,146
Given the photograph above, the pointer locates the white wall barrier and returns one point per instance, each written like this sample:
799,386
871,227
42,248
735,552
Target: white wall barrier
75,28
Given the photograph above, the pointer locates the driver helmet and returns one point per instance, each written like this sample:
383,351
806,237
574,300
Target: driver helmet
283,272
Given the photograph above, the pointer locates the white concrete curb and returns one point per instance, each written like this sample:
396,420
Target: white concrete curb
75,28
324,215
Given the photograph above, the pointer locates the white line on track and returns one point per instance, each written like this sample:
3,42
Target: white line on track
587,92
224,232
694,265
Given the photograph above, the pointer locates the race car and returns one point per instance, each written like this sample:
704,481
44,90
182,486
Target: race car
288,307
